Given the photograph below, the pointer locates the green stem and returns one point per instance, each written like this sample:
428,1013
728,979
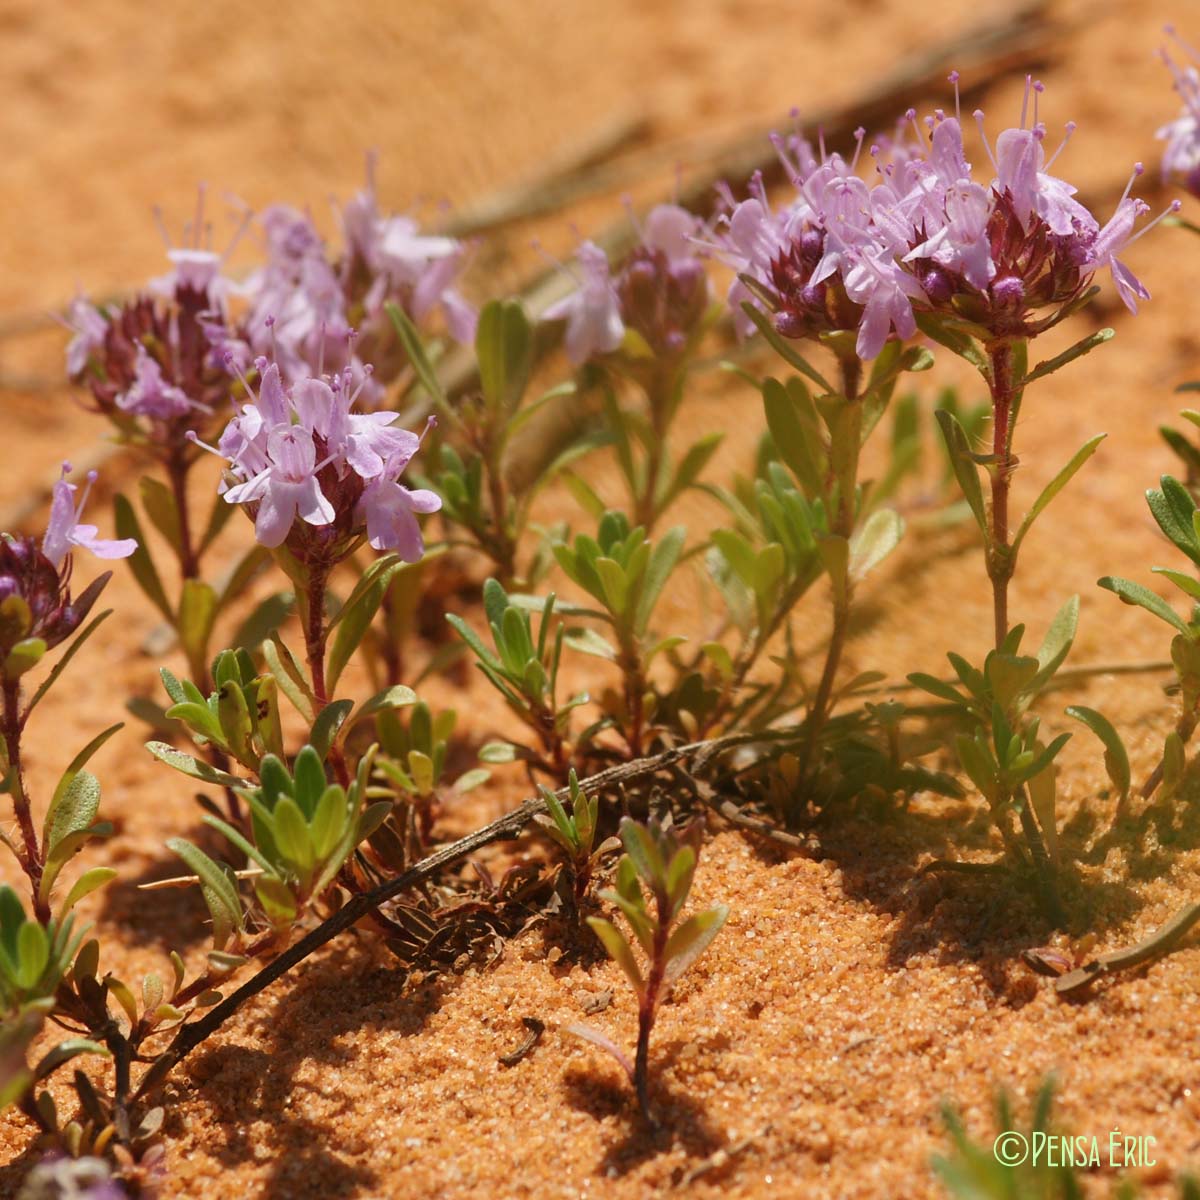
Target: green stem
841,525
1047,889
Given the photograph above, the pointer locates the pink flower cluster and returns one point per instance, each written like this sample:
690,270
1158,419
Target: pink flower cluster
309,310
1181,159
305,308
927,234
316,474
660,290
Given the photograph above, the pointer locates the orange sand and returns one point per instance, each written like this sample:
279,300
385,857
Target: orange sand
845,999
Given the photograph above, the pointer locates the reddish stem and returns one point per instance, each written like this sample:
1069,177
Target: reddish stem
999,561
316,634
189,560
31,860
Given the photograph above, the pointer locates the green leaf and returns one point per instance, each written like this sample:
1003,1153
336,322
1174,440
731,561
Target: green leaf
414,348
1186,583
217,888
251,851
504,349
68,777
1175,511
197,611
160,507
644,853
662,562
33,955
1116,760
355,618
24,656
329,822
619,950
329,721
1055,486
282,664
1143,597
1085,346
140,562
588,641
64,1052
291,834
218,518
195,767
762,323
264,619
74,810
397,696
691,939
248,566
310,783
965,470
696,458
870,545
68,654
498,752
87,883
1056,645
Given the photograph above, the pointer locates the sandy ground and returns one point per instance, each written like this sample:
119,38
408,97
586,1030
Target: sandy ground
846,999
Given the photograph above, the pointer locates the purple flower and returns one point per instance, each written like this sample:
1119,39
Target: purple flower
389,259
1181,158
592,312
149,395
886,293
388,509
64,529
315,474
285,488
1008,254
89,327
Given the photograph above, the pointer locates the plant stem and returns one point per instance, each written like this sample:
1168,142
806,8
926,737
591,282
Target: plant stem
502,547
648,1006
841,525
31,860
635,694
189,561
1048,890
1000,562
658,397
316,634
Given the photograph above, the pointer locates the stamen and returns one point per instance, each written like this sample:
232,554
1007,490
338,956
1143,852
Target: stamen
859,134
192,436
1169,211
1138,170
1070,127
953,77
1025,102
983,138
